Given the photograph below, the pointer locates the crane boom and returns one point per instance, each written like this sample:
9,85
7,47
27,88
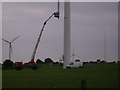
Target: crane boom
55,14
38,40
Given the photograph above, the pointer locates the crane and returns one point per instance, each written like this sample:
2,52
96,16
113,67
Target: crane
55,14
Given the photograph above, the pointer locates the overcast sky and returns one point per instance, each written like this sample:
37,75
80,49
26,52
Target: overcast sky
88,23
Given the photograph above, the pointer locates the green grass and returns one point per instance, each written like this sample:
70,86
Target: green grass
54,76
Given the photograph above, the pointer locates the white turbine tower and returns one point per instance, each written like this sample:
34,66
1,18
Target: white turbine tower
67,51
10,45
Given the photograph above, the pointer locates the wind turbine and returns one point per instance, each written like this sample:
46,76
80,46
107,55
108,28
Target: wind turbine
73,55
10,45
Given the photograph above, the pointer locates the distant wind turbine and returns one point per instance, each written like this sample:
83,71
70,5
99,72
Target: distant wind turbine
73,55
10,45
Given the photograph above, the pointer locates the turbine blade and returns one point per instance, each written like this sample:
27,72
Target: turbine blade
5,40
15,38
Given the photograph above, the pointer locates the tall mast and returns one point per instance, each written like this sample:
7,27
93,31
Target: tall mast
105,45
66,33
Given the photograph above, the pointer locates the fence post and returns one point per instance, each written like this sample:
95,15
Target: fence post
83,85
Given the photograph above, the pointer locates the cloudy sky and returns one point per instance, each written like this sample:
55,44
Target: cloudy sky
89,21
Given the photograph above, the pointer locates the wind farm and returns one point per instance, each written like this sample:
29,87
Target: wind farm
47,32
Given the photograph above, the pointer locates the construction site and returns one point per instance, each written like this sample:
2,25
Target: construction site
59,45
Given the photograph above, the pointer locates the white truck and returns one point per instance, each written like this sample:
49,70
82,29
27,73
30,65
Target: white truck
76,64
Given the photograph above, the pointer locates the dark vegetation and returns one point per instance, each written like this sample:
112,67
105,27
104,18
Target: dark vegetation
8,64
48,60
39,61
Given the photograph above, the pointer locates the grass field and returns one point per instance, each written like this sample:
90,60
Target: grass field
54,76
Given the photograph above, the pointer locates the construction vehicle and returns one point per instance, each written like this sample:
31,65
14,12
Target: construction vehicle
32,63
18,65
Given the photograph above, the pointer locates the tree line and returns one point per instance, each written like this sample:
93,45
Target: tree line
8,64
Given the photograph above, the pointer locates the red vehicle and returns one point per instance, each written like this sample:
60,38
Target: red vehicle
18,65
33,65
